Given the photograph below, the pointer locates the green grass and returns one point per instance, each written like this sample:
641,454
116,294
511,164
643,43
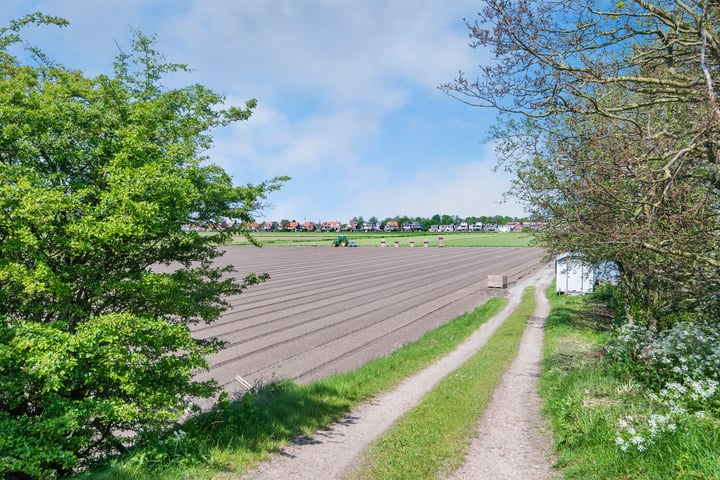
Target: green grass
431,440
470,239
235,436
585,399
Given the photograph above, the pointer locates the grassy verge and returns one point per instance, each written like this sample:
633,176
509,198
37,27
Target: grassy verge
237,435
433,437
585,401
362,239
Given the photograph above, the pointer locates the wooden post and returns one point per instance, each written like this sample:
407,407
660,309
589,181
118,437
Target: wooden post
382,242
440,242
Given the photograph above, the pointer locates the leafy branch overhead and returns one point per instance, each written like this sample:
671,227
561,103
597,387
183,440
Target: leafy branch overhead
99,180
610,121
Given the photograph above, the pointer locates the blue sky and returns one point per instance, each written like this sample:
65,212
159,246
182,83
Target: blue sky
348,104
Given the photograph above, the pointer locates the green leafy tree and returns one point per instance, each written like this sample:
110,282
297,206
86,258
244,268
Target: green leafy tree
102,183
447,220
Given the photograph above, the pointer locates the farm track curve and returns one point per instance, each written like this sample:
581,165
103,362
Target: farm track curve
329,310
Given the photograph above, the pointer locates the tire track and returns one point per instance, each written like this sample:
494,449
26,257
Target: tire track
333,452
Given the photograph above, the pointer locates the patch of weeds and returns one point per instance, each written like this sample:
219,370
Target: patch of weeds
608,418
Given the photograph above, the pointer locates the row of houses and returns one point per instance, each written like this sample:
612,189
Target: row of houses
464,227
484,227
294,226
388,226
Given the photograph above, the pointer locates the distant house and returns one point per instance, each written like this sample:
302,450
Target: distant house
331,226
308,226
372,227
268,226
391,226
254,226
292,226
412,226
511,227
351,226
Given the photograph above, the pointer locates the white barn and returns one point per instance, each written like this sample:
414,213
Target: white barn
574,276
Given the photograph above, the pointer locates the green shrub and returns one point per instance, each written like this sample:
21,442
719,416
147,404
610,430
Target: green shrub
69,398
101,180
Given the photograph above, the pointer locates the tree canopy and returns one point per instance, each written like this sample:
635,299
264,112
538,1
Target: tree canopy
100,179
610,121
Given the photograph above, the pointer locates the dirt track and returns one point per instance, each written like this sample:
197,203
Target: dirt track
327,310
512,441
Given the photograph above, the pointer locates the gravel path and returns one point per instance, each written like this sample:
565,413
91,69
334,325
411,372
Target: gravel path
331,453
514,442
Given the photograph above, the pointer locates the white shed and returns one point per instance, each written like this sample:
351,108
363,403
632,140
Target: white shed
574,275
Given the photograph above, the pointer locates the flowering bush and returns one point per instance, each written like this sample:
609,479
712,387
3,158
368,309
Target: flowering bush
686,360
688,350
630,438
638,434
696,396
630,343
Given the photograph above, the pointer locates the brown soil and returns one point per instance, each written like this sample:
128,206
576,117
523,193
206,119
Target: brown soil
330,310
327,310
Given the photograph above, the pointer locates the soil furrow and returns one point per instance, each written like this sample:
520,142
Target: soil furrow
327,309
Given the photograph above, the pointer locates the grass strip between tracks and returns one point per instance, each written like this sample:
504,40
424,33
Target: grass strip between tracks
433,437
234,436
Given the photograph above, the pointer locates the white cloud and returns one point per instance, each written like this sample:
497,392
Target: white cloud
348,104
275,144
470,188
339,52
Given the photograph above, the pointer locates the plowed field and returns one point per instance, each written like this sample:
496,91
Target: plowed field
327,310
